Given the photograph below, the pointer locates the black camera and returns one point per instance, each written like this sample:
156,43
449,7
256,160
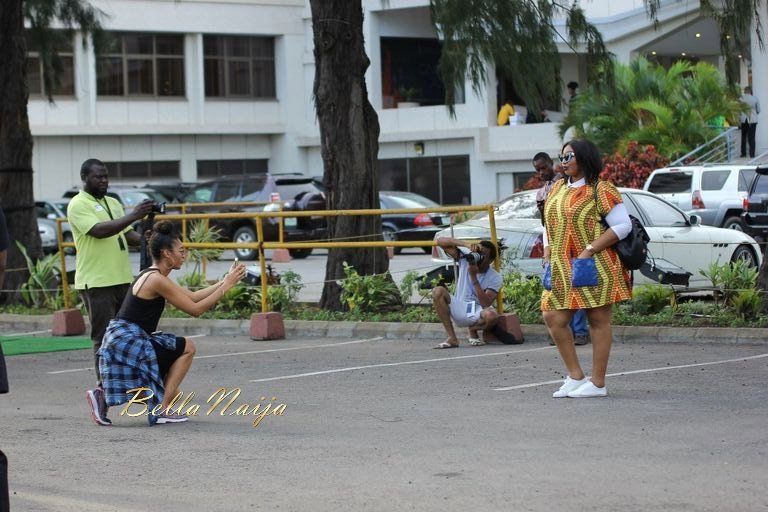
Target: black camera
158,207
474,258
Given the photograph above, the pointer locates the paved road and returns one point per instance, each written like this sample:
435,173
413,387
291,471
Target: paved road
383,425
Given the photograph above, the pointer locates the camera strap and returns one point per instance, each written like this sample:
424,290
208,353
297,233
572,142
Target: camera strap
109,212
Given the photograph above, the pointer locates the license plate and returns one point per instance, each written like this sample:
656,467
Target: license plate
290,222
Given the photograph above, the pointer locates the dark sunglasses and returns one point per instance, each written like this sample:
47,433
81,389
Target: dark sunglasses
567,157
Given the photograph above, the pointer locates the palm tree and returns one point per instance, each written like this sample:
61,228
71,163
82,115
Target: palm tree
672,109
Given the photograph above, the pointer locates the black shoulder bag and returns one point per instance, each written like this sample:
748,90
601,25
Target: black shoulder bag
633,249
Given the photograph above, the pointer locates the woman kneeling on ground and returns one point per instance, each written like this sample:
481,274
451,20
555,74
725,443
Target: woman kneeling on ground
133,354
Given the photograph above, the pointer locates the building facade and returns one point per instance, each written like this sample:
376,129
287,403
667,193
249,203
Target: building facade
193,89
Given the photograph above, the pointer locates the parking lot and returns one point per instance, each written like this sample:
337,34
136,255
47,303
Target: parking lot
378,424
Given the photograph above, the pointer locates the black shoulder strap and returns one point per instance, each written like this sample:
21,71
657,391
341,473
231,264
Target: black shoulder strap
145,271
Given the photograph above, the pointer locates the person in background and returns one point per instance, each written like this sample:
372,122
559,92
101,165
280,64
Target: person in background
748,122
572,92
102,233
134,354
477,285
505,112
574,231
546,173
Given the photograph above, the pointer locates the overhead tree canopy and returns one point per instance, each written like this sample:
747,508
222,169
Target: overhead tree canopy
519,37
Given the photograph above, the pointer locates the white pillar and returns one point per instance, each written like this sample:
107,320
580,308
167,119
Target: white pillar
760,83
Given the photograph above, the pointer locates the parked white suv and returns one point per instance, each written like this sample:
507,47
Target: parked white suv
714,192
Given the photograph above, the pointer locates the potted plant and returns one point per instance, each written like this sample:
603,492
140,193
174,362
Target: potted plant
408,93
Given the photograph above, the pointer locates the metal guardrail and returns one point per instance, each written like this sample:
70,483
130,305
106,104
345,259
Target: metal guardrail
762,158
260,245
720,149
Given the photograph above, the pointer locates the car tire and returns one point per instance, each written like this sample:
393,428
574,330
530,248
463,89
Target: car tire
744,253
245,234
67,237
299,254
734,223
389,234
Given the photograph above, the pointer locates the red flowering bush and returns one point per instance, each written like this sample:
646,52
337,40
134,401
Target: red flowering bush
632,169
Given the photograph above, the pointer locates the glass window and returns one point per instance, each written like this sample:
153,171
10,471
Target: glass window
671,182
455,180
714,180
216,168
227,190
199,195
133,169
409,72
252,185
443,179
745,179
139,170
140,77
61,68
761,187
239,66
109,81
658,212
393,174
425,177
132,64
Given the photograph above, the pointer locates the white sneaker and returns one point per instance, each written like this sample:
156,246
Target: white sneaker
568,385
588,390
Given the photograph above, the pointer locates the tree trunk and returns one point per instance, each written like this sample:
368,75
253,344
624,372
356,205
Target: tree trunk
16,196
349,134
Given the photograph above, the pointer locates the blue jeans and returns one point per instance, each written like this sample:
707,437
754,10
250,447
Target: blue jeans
579,323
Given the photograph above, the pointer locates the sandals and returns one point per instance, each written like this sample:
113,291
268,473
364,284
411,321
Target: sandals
475,342
445,344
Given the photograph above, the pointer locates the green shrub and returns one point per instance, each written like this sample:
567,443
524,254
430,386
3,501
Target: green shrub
747,303
283,296
240,297
731,278
368,293
42,288
193,281
651,299
522,295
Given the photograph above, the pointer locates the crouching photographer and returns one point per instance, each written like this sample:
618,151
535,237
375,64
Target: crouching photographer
476,288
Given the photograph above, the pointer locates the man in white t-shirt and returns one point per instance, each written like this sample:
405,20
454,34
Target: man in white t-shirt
478,283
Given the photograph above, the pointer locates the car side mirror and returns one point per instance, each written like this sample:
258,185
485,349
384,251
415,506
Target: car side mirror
694,220
51,216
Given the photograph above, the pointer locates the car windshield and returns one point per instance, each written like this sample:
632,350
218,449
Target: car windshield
521,205
291,189
408,200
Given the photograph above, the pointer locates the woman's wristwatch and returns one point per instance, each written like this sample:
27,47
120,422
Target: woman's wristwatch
591,249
